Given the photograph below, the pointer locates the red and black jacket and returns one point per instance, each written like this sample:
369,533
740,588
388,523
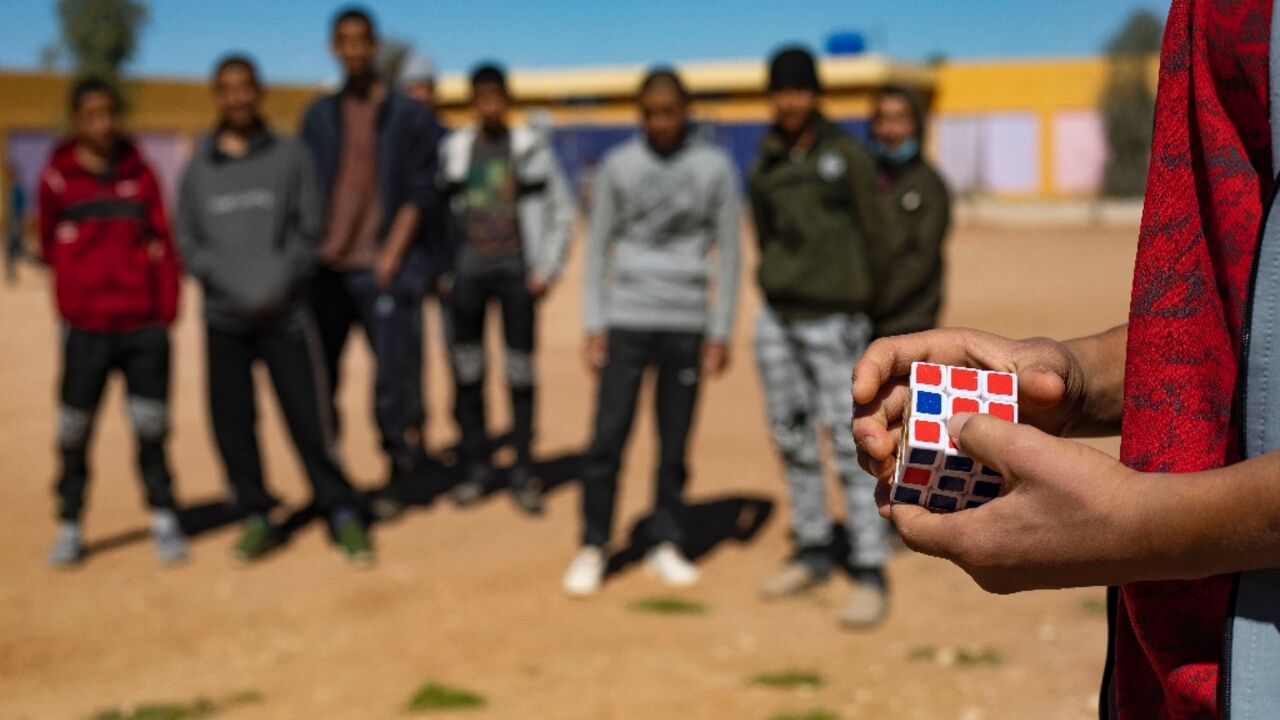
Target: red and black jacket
107,240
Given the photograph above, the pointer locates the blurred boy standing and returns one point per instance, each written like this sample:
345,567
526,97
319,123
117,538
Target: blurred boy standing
104,235
825,238
249,219
666,203
512,208
15,221
377,165
912,294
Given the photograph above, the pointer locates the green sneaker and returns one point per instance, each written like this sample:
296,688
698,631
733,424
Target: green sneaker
352,538
257,538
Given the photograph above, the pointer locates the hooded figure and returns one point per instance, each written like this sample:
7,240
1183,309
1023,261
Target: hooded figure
912,293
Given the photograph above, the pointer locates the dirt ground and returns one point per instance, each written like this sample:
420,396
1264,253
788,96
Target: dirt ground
470,598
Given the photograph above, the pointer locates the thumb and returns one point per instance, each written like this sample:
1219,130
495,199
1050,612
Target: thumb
996,442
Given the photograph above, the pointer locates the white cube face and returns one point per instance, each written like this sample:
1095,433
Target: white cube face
931,471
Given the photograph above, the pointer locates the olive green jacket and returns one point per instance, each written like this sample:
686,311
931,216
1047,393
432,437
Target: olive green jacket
912,293
826,235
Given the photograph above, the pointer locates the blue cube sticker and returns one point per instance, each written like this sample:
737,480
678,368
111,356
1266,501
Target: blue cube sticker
958,463
942,502
989,471
951,483
928,403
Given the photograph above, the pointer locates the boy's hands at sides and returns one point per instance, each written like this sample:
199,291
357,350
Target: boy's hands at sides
1071,516
715,357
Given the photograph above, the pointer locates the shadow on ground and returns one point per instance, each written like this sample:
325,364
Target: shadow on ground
737,518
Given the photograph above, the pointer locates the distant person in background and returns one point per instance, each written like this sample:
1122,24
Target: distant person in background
912,294
104,235
249,220
418,82
15,218
664,233
825,238
514,214
377,166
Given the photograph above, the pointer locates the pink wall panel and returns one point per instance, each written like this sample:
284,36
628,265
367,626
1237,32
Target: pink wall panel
1079,151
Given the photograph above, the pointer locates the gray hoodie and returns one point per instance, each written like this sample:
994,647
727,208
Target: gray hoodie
654,223
248,228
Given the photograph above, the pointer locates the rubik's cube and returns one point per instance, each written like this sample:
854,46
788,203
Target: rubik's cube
931,471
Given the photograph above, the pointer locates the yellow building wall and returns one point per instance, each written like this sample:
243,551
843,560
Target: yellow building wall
1044,87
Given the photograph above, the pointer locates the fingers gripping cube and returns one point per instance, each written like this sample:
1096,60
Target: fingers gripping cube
931,471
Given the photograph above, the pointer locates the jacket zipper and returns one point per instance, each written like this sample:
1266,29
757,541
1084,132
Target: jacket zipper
1242,393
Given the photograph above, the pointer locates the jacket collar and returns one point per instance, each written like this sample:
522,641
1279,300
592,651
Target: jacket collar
777,146
260,138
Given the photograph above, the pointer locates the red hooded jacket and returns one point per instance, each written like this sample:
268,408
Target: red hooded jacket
107,240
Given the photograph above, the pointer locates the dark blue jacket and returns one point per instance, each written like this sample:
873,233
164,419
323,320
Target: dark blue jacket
406,159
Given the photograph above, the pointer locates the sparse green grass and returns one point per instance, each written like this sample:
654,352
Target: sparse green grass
921,653
668,605
788,679
434,697
986,656
960,657
195,710
1095,606
815,714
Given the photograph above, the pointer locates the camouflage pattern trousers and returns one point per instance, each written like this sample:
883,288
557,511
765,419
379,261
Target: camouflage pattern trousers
806,366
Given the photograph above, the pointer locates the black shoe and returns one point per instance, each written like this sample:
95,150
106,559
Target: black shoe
472,488
388,503
524,491
386,506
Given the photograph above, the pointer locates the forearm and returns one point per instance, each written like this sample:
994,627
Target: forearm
403,229
1100,382
1196,525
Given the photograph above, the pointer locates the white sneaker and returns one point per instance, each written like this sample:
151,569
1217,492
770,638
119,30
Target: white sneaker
668,564
585,573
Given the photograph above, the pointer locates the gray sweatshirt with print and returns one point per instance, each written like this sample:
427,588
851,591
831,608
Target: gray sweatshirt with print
656,223
248,228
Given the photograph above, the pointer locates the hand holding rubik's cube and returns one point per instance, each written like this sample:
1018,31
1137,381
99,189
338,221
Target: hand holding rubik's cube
931,471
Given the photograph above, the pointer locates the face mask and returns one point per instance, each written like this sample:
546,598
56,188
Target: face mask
905,152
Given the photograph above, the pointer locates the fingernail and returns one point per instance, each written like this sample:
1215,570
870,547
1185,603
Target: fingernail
956,424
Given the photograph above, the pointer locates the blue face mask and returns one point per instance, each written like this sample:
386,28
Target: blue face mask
904,153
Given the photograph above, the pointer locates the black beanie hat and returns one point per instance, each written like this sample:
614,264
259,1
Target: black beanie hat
792,68
489,74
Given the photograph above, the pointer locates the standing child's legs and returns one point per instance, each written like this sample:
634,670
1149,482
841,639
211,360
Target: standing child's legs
234,416
292,354
518,331
616,395
334,311
675,399
143,356
789,397
470,303
832,350
86,362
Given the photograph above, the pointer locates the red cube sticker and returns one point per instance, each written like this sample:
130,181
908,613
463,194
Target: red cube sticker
916,476
926,374
964,380
1000,384
928,431
1004,411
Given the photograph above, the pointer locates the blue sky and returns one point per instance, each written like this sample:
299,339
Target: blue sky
183,37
